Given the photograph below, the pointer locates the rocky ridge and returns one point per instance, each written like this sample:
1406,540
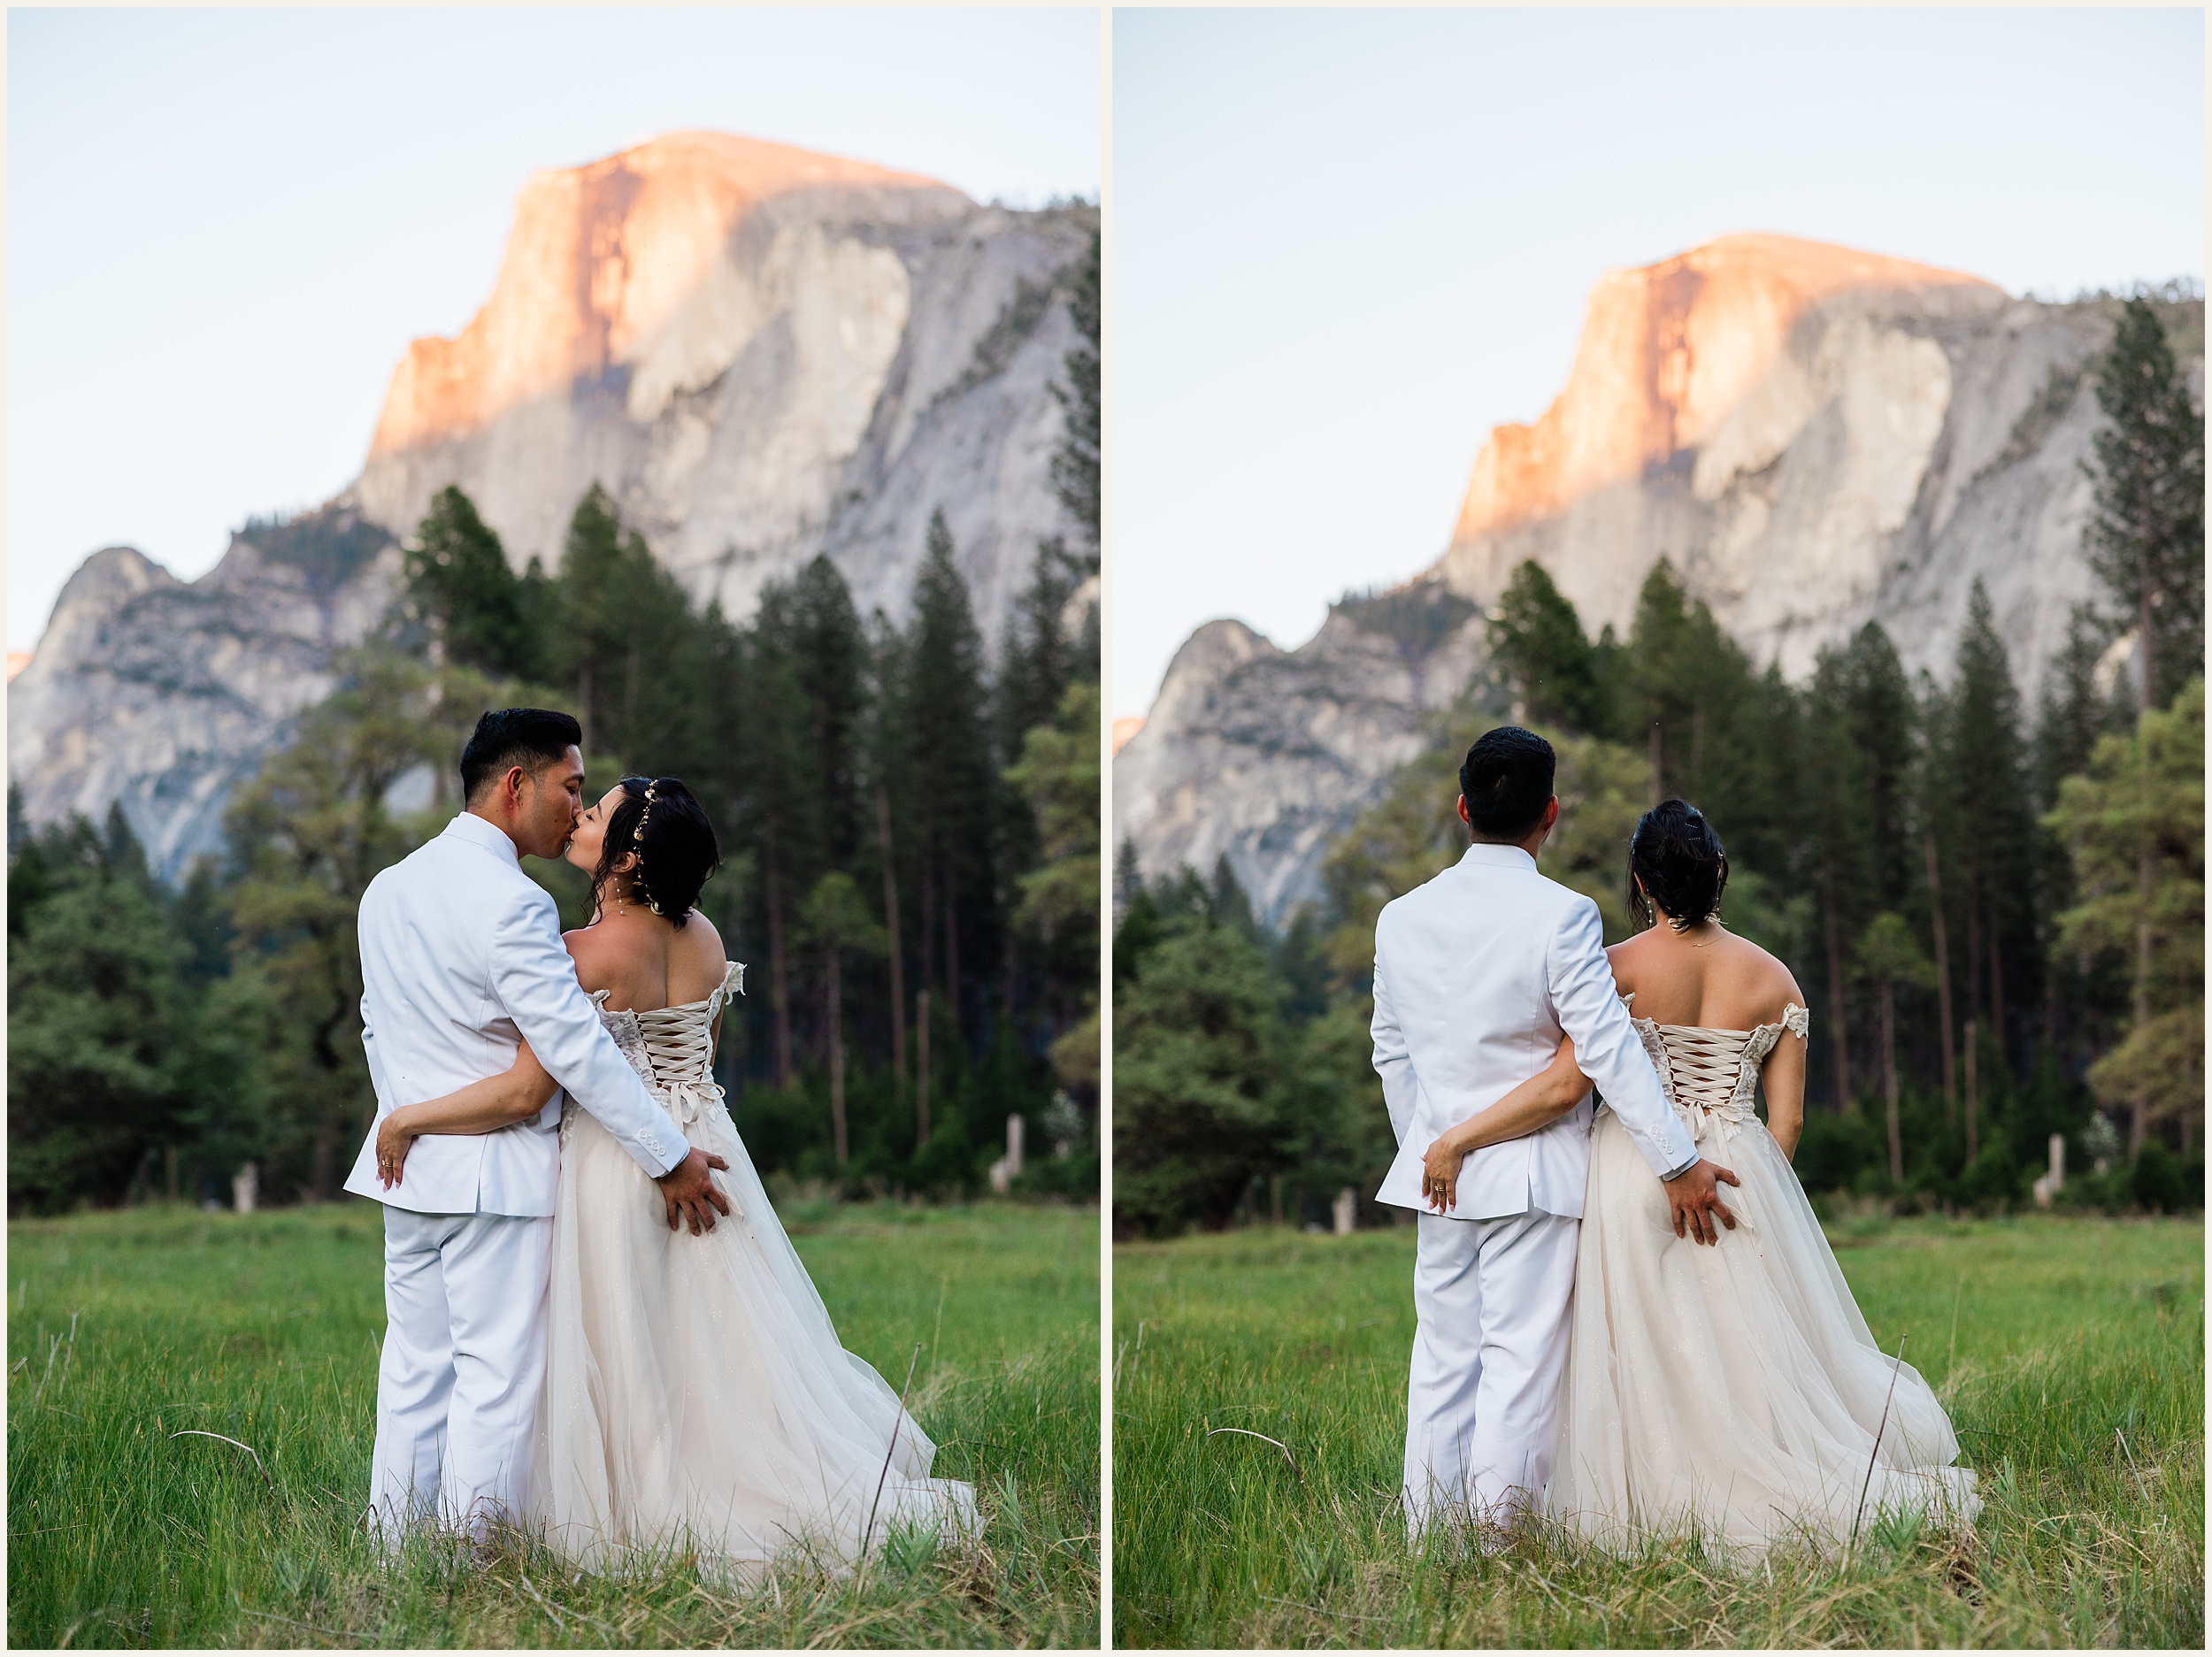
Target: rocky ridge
1815,437
761,353
163,696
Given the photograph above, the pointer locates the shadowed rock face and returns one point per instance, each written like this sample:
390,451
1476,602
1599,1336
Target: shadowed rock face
164,694
761,353
1264,754
1817,437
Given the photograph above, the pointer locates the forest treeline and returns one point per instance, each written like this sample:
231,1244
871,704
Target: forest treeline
910,865
1995,912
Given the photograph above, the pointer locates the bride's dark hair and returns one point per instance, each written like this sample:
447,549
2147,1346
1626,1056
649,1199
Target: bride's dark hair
1678,858
662,821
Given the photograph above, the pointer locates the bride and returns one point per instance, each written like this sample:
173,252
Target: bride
1734,1389
695,1392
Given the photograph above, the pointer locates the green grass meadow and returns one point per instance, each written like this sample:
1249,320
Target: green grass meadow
2069,1352
126,1328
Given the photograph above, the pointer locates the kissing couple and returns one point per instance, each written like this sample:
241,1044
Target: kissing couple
590,1337
1605,1338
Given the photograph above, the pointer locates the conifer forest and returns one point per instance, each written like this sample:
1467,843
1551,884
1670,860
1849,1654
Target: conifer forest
908,828
1992,902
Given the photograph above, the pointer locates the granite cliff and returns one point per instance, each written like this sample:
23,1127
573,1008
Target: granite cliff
164,695
763,354
1817,437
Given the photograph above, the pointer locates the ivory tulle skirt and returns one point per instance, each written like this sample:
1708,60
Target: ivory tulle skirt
1734,1389
696,1396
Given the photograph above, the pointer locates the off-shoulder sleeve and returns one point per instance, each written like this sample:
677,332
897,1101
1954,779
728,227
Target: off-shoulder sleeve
1796,1020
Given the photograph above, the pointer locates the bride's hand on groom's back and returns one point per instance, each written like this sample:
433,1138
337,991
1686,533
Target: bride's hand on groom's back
691,1194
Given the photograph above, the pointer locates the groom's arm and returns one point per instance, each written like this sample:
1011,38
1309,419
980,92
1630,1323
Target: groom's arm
1393,1063
535,982
1607,1049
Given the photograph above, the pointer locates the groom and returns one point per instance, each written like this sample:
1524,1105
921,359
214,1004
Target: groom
1476,975
461,961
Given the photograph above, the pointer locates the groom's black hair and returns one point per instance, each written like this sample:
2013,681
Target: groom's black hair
532,738
1507,782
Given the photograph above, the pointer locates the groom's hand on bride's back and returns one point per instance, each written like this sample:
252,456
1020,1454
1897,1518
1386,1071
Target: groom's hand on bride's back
691,1194
1693,1196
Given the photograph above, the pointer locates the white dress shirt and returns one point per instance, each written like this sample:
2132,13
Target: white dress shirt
462,961
1478,972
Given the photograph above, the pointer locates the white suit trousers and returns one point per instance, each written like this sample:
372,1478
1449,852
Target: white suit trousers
456,1394
1493,1298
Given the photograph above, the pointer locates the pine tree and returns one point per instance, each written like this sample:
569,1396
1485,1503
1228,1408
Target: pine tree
2145,534
1839,844
622,620
955,803
1198,1110
1987,761
99,1026
458,579
781,796
1537,637
2135,823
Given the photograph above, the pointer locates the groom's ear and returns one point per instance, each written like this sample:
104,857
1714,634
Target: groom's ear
1464,818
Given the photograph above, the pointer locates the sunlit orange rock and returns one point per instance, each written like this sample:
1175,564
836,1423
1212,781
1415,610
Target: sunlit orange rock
1668,351
600,257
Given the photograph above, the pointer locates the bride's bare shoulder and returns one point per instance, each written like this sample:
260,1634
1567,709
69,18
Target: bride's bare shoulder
590,948
1763,980
1626,956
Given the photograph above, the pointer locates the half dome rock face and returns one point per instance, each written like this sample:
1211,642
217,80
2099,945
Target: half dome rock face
1815,437
1763,410
743,342
763,355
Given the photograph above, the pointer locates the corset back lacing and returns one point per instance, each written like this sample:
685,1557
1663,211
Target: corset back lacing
672,1049
1711,1077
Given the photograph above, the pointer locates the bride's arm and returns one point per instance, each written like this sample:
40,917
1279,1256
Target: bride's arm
1783,1076
486,1107
1536,1103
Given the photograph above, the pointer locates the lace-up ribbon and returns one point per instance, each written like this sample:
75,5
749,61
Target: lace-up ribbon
672,1049
1711,1077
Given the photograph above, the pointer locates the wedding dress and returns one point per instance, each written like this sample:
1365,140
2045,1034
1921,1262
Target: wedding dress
696,1395
1736,1388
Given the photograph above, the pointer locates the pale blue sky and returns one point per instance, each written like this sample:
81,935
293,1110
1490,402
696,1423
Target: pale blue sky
1346,244
225,226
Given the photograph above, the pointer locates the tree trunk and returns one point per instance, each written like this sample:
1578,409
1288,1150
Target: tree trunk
1943,983
2143,619
1973,1101
898,966
778,976
1887,992
921,1068
2139,1000
583,700
1658,787
1996,984
1835,996
834,1023
952,957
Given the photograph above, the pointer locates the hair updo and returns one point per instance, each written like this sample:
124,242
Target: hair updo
1678,858
662,821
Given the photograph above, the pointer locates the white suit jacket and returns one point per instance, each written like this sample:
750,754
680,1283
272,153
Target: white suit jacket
461,961
1476,973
